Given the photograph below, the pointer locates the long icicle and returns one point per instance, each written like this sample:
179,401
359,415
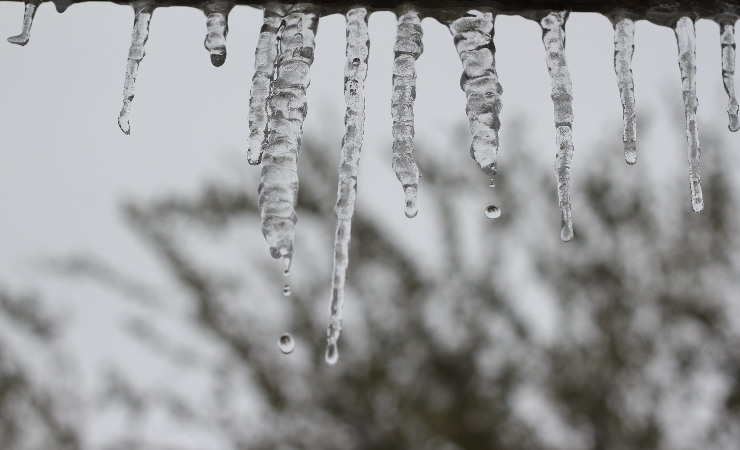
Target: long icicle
473,37
686,40
553,36
278,189
264,70
28,13
407,50
624,48
143,11
355,72
217,26
727,39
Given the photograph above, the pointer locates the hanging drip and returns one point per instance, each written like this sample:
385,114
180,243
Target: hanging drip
143,15
217,25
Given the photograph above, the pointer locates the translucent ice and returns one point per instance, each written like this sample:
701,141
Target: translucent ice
727,39
473,37
407,49
143,15
624,48
553,36
286,343
217,25
278,189
686,39
30,11
264,70
355,72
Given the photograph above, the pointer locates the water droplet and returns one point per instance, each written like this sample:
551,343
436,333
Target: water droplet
332,353
286,343
492,183
286,263
286,290
493,212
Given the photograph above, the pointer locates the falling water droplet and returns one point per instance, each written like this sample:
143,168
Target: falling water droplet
492,183
493,212
286,290
286,343
332,353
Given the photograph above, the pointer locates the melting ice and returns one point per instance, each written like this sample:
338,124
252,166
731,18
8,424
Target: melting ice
277,106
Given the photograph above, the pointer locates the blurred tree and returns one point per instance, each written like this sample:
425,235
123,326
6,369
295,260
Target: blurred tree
625,338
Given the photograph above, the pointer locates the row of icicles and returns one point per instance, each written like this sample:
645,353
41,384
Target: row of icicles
277,108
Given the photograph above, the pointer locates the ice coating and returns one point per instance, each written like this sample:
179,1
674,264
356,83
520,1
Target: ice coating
473,38
264,69
143,15
727,39
407,49
28,13
553,36
278,189
686,39
355,72
217,25
624,48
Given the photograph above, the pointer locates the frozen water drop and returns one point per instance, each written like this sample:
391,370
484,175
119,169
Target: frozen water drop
493,212
143,16
332,353
407,49
30,11
286,343
286,290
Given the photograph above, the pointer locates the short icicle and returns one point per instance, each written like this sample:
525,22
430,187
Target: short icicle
727,39
686,39
553,36
473,37
217,25
355,72
407,49
30,11
624,48
278,189
264,70
143,11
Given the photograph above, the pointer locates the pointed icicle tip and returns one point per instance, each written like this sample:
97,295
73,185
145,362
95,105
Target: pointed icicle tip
217,24
28,14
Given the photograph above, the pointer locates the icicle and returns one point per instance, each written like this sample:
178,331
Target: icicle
553,36
143,11
686,39
278,189
407,50
286,343
624,48
355,72
727,39
473,37
264,70
217,24
30,11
